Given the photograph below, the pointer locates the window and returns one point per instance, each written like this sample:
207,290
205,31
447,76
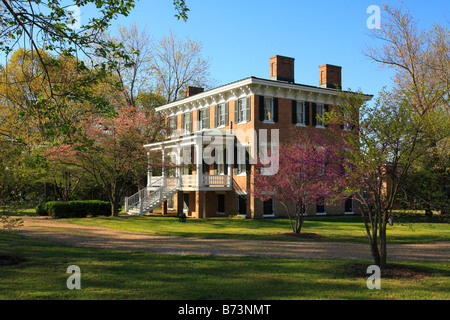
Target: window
186,123
172,124
320,114
268,207
242,159
348,205
320,207
221,203
203,119
219,161
221,115
242,205
199,120
268,109
301,108
241,111
347,122
185,201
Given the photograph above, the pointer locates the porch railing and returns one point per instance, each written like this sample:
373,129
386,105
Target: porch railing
192,181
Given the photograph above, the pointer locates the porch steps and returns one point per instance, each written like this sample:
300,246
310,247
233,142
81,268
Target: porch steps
146,199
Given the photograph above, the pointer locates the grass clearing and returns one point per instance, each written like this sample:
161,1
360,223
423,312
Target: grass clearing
116,275
331,229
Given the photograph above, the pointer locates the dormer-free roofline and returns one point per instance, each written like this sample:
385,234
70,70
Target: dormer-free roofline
258,86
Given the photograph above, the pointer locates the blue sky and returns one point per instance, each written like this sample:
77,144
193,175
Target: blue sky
239,36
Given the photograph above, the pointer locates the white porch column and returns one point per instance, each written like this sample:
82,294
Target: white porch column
163,152
179,162
149,171
199,160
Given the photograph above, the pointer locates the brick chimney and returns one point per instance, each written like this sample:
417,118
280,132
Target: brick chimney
330,76
190,91
282,68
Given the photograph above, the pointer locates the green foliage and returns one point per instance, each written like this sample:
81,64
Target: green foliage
74,209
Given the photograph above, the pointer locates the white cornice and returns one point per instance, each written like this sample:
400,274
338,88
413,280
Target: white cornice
251,86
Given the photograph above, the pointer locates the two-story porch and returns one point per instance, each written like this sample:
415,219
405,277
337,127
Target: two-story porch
189,164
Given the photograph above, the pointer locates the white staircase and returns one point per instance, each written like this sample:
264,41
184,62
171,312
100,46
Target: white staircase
148,199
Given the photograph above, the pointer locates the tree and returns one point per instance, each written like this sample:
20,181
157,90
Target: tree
311,169
397,133
420,58
132,76
391,138
49,26
177,64
116,156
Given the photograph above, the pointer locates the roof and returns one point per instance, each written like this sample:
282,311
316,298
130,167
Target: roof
257,82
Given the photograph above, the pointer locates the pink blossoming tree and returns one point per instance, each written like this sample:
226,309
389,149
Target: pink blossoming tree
311,169
111,150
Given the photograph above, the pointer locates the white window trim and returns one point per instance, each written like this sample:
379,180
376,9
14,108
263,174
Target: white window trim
273,210
350,212
239,149
324,213
272,110
243,193
320,114
242,114
302,123
221,110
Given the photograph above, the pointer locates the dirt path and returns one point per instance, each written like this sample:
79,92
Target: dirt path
99,237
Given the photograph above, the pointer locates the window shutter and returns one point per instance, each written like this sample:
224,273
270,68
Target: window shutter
236,111
216,116
235,156
307,113
247,159
248,110
275,109
227,107
183,122
294,112
314,114
191,120
205,119
261,108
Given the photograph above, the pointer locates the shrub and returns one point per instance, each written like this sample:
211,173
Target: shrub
74,209
41,209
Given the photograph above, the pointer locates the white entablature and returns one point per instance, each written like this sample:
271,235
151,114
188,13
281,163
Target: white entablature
253,86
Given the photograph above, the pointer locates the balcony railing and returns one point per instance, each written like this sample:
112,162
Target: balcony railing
191,181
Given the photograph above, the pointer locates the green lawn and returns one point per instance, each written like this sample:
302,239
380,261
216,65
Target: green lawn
115,275
332,229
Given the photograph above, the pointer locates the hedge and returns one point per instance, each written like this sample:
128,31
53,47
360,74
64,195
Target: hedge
74,209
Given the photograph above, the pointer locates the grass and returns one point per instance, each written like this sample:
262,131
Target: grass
116,275
332,229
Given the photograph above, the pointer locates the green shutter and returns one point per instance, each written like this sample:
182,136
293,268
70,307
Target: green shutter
261,108
248,110
307,113
236,111
226,113
216,116
183,121
275,109
314,114
294,112
205,120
